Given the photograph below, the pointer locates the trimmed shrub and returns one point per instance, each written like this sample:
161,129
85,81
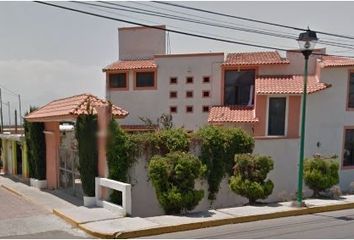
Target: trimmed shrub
119,159
320,174
250,173
86,135
173,178
36,148
218,149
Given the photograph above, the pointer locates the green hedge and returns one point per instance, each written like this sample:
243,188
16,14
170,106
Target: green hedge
36,148
219,146
321,174
86,135
173,178
250,173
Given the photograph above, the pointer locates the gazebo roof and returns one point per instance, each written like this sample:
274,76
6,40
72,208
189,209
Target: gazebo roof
70,108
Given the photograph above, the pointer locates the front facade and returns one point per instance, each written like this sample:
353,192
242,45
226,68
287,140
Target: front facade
260,92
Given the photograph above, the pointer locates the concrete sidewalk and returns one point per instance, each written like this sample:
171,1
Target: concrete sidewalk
102,223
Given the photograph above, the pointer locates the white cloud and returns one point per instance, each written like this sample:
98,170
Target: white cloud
40,81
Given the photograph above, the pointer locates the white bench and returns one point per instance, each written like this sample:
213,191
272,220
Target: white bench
124,188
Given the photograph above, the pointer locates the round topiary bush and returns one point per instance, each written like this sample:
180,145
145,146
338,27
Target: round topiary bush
250,173
173,177
320,174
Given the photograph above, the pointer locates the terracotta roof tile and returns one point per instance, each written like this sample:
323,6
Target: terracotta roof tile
71,107
287,85
333,61
232,114
254,58
131,65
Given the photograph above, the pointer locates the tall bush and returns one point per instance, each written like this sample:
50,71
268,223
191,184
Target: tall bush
119,156
250,173
86,135
219,146
36,148
320,174
173,178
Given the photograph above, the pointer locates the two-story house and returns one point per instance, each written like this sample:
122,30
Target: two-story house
258,91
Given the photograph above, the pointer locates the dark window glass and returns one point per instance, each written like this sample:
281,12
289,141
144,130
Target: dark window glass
173,80
145,79
189,109
173,94
189,94
189,80
206,79
239,87
348,153
206,94
173,109
117,80
276,117
205,108
351,91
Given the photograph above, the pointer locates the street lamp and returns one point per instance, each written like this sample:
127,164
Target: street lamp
307,41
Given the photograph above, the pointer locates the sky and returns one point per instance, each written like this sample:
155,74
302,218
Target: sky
48,53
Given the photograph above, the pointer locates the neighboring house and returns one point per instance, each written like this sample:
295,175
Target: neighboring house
258,91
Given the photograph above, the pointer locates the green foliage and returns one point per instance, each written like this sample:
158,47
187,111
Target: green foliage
164,141
250,173
219,146
36,147
320,174
173,178
119,156
165,121
86,135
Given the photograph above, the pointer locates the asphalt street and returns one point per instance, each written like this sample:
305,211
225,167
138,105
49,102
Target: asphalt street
338,224
20,218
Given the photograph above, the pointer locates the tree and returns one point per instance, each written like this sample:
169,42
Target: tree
320,174
250,173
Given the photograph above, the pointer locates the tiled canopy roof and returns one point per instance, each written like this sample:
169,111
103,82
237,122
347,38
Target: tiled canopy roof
232,114
71,107
131,65
333,61
287,85
254,58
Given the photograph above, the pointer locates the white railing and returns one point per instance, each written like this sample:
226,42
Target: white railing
124,188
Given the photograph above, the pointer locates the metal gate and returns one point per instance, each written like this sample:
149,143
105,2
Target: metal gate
69,176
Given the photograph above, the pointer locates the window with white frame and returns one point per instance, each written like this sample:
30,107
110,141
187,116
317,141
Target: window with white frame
276,116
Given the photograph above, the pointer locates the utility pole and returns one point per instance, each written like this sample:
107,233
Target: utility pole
15,121
1,116
19,109
9,112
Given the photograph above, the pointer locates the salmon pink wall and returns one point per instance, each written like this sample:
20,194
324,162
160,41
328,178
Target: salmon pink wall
103,116
52,139
294,116
261,114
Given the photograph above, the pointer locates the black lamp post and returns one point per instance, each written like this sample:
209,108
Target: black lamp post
307,41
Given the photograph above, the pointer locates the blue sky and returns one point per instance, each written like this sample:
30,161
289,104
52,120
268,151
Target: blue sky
47,53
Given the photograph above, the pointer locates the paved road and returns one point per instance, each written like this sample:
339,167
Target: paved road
339,224
20,218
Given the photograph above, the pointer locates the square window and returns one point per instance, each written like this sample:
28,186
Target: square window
189,94
205,109
189,80
173,80
145,79
206,93
189,109
118,80
206,79
173,94
173,109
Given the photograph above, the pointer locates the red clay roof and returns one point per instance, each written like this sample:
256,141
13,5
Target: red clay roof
333,61
71,107
232,114
254,58
287,85
131,65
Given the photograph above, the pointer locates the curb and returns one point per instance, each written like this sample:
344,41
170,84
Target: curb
234,220
97,234
10,189
69,220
